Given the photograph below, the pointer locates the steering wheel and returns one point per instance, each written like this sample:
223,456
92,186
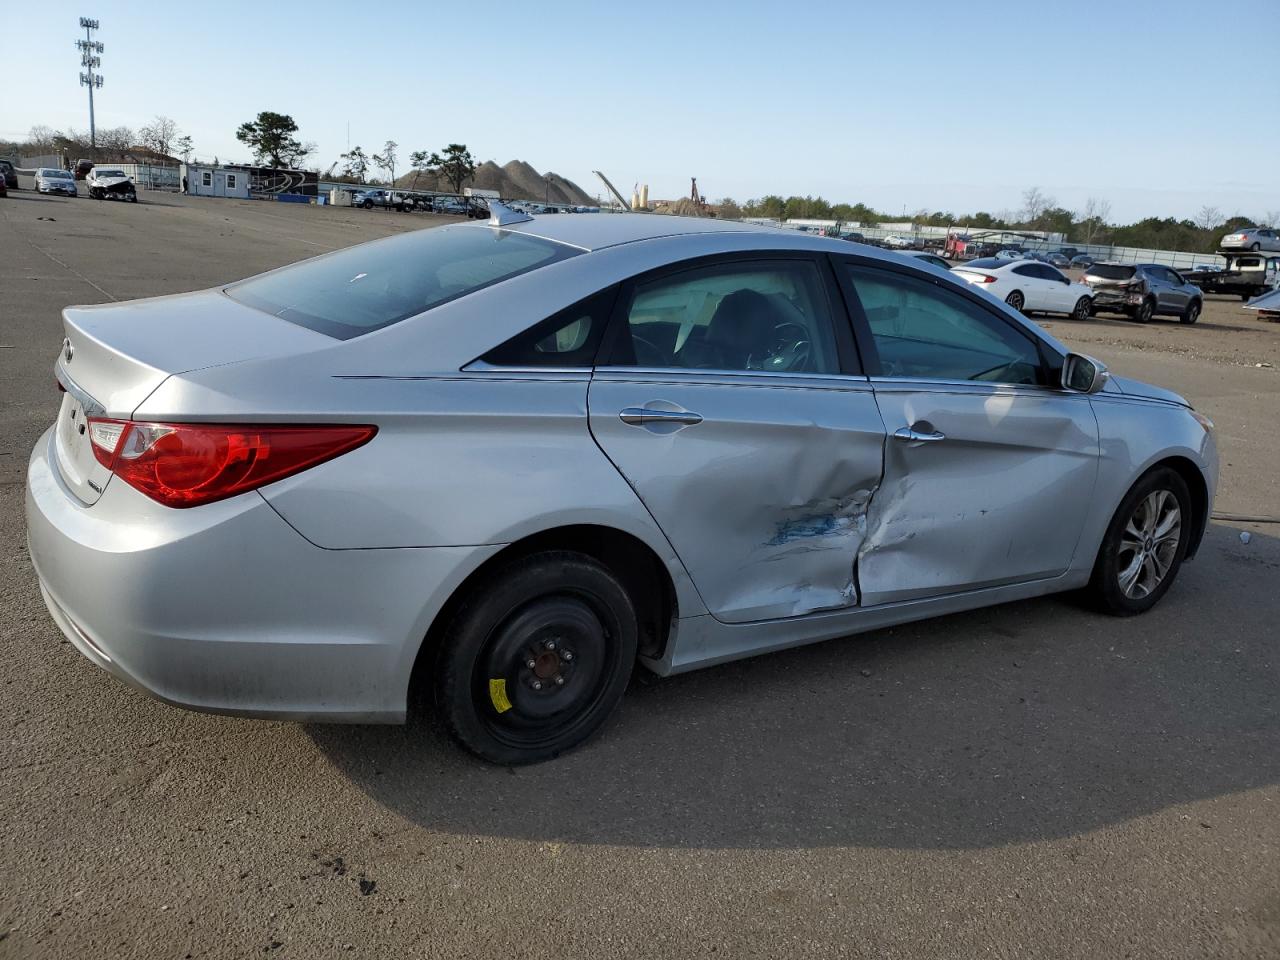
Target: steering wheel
789,352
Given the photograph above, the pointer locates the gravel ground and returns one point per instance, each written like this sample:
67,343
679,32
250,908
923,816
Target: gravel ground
1031,780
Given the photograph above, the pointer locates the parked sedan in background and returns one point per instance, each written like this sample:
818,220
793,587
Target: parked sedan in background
1143,291
8,174
1082,260
1028,285
1255,238
502,463
1060,260
53,180
895,242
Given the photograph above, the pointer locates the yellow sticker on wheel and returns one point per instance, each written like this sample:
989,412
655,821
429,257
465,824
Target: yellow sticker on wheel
498,695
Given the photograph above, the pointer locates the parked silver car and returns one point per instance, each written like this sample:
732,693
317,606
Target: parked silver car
506,461
1254,238
53,180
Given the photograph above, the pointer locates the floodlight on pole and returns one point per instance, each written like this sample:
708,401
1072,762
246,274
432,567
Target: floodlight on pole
89,59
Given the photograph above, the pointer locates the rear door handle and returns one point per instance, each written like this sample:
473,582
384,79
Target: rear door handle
910,434
638,416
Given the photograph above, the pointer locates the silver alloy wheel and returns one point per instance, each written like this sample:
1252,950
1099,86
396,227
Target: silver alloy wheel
1081,311
1150,542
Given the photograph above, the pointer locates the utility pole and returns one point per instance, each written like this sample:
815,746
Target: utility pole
89,59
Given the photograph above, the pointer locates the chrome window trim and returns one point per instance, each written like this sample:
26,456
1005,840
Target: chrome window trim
736,378
915,385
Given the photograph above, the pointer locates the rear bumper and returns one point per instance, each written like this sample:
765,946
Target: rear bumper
225,608
1116,300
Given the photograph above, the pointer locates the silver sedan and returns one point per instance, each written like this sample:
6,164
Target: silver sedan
506,462
1253,238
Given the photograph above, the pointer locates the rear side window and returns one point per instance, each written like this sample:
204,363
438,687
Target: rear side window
371,286
1108,271
570,338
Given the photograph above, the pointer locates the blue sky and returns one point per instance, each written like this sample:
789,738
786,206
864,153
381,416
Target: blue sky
958,105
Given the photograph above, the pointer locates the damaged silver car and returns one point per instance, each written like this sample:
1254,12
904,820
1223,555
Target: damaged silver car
503,463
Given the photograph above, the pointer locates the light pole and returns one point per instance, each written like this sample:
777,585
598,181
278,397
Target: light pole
546,195
89,59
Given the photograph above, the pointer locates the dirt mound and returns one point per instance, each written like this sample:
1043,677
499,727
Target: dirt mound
516,180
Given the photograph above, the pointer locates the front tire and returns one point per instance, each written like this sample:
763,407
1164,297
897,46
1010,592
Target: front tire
1016,300
536,659
1192,313
1144,545
367,204
1084,309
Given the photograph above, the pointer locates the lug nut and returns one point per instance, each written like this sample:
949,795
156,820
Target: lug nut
530,664
551,644
559,681
537,684
567,655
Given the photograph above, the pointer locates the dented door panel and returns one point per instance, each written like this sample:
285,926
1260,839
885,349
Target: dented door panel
764,497
999,498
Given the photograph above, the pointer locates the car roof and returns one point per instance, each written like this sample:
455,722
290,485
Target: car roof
598,231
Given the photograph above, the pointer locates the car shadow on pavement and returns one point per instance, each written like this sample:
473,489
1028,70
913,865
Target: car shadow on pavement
1029,721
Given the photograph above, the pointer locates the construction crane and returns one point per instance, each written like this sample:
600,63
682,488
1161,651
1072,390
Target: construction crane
613,190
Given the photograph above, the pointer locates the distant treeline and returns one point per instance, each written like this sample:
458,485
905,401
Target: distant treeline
1038,212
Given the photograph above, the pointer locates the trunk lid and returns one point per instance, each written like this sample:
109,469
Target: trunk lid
115,355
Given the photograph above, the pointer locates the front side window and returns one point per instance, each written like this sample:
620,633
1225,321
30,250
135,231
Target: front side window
922,330
373,285
770,316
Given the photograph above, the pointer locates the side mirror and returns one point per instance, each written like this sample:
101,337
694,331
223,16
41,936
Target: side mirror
1083,374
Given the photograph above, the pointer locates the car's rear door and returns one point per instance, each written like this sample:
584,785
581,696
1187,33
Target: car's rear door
989,469
729,396
1036,291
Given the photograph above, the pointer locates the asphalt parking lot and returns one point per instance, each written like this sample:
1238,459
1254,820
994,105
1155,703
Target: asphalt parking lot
1032,780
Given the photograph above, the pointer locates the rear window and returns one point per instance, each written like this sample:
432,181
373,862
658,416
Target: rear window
1108,271
987,263
371,286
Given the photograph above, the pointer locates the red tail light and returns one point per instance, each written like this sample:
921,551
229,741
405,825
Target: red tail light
187,464
986,279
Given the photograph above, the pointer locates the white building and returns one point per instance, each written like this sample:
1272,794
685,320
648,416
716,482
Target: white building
207,180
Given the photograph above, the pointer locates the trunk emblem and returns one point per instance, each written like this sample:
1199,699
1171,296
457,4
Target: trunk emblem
68,351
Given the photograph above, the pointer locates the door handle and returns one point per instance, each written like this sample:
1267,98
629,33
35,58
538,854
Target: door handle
637,416
910,434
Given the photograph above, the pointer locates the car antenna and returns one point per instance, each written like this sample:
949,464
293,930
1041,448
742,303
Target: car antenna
500,215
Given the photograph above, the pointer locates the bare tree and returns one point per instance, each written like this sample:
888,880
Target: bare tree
1271,219
160,135
1208,217
1034,204
40,138
184,147
387,159
1093,218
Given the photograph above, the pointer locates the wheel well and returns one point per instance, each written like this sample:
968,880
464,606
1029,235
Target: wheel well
630,559
1194,480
